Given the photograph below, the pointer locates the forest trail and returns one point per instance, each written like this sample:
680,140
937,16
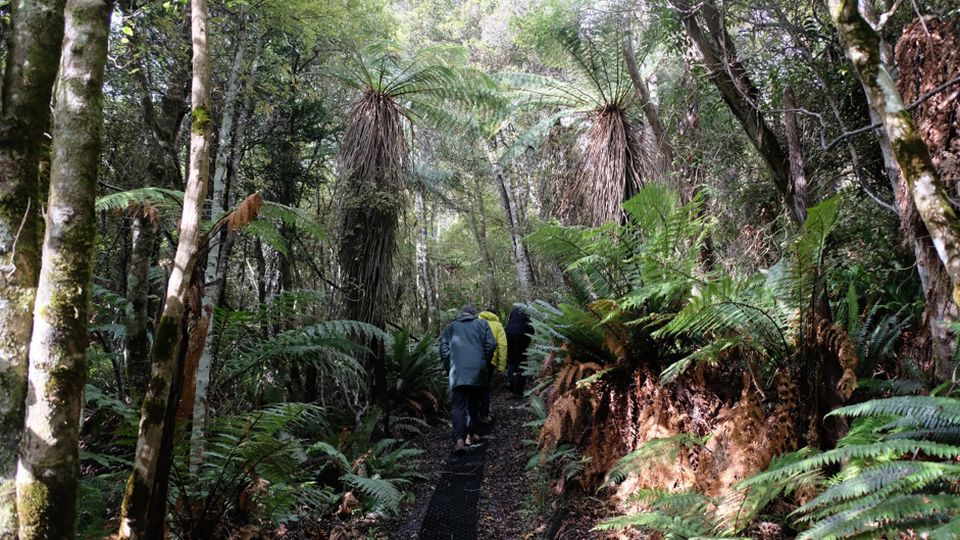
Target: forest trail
479,495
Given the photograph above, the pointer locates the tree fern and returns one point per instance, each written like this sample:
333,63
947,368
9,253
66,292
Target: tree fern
240,450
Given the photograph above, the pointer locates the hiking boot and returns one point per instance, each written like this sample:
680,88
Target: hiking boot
476,438
485,420
459,447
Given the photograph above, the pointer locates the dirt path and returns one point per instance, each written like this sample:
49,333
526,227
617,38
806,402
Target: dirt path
505,484
476,496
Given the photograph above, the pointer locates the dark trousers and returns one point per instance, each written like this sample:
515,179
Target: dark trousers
516,352
466,410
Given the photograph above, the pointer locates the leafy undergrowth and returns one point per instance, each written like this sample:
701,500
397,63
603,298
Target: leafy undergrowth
285,468
666,389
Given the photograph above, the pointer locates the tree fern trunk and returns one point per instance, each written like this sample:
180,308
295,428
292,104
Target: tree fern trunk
36,33
166,346
49,467
927,55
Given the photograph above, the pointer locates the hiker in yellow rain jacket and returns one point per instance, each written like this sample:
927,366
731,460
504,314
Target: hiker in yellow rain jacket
499,360
500,357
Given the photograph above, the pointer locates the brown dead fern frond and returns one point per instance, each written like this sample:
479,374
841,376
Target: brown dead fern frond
245,212
836,340
783,422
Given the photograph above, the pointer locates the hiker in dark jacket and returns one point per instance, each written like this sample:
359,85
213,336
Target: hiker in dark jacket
466,346
518,330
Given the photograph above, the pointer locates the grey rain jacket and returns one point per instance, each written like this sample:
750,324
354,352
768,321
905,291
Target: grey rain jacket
466,345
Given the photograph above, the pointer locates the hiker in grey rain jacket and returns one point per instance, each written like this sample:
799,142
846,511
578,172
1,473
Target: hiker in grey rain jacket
466,346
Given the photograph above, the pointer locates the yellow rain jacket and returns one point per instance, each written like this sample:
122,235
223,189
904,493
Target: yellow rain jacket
500,357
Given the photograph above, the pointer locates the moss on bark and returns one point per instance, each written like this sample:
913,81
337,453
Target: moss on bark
35,36
48,467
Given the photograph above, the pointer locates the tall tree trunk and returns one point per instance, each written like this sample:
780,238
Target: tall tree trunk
478,221
138,493
215,272
664,160
36,35
520,255
136,343
862,44
424,277
162,170
737,90
798,174
49,467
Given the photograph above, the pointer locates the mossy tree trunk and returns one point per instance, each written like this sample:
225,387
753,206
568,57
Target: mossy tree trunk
136,342
798,173
36,33
49,468
166,346
929,196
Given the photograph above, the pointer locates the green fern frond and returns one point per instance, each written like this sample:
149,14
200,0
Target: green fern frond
650,454
936,508
160,197
383,492
878,481
926,411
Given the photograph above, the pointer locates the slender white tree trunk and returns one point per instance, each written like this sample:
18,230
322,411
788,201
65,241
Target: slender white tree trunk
136,499
215,272
513,218
424,276
664,159
36,32
49,468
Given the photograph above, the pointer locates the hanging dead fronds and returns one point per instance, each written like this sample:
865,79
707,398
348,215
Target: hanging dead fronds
374,153
836,341
609,171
